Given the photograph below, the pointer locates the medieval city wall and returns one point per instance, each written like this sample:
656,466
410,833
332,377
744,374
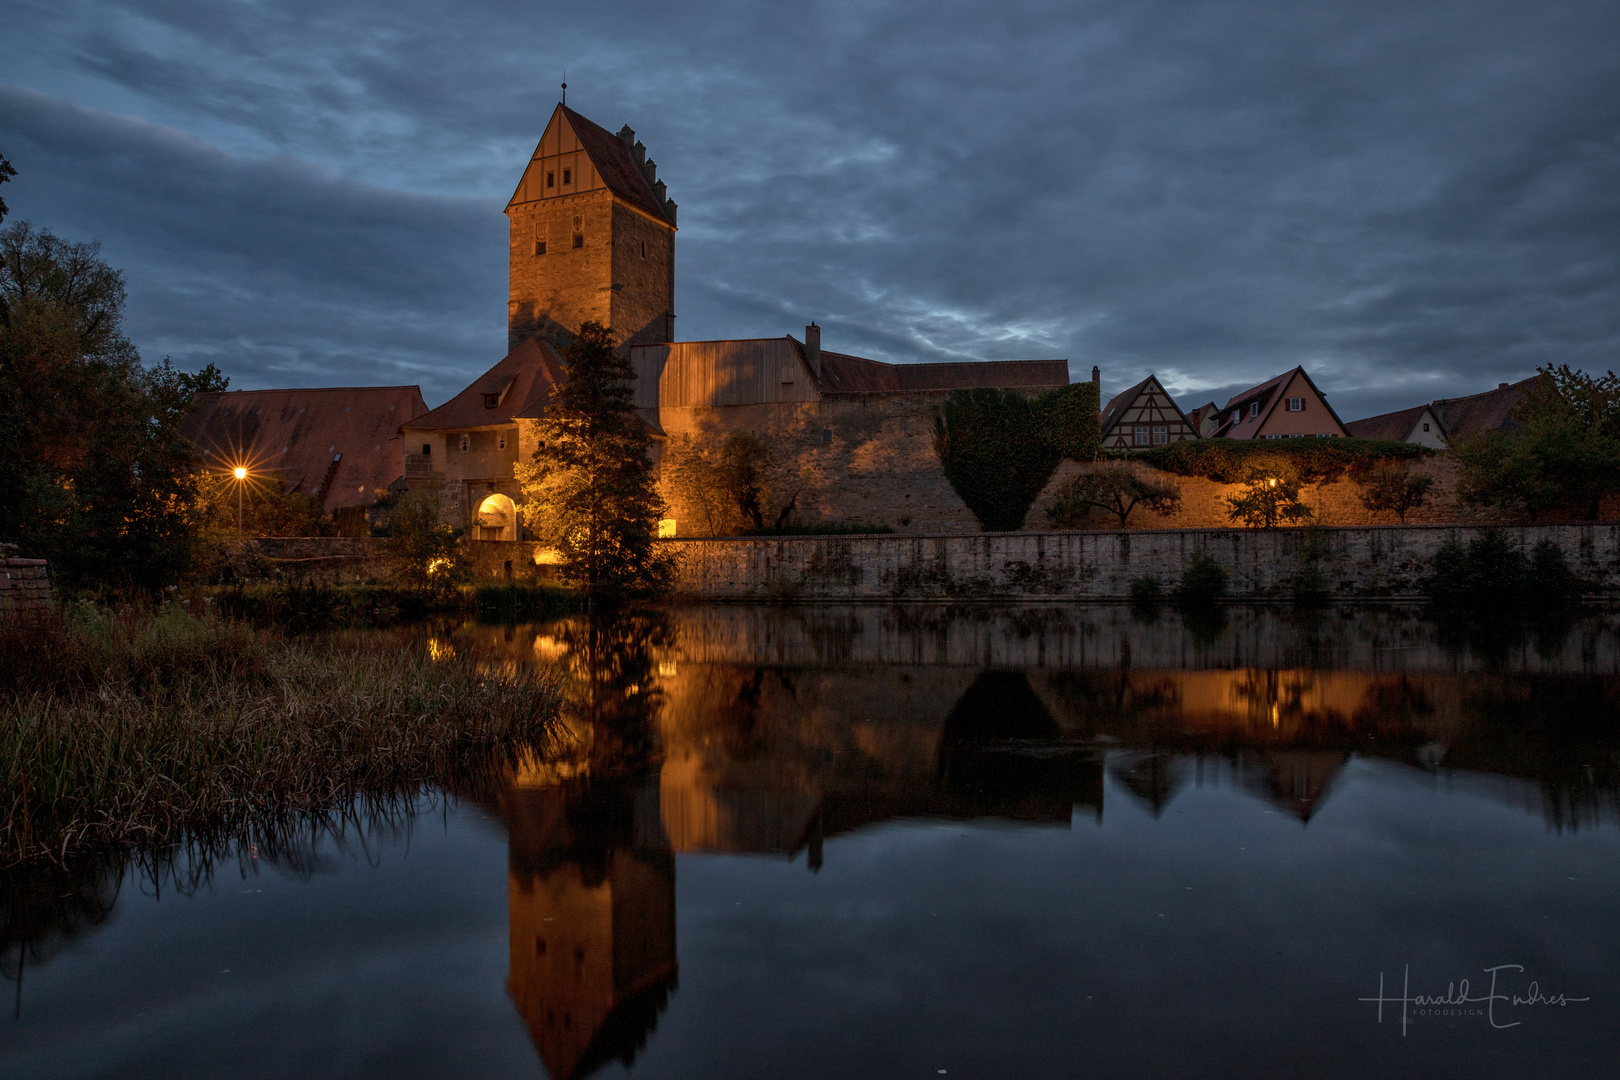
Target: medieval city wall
1383,562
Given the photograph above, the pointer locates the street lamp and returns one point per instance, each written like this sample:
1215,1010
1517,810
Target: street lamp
241,482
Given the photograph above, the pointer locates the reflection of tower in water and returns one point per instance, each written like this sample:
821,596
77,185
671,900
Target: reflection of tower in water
591,898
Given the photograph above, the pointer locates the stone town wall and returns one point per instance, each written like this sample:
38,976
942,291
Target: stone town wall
1382,562
25,587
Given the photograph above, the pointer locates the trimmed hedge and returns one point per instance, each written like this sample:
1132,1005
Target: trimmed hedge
1069,421
1227,461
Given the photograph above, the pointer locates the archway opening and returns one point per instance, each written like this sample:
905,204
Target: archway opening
497,519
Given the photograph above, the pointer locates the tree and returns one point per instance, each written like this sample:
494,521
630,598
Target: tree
991,447
1270,496
6,173
96,477
1389,486
727,487
1115,488
425,550
588,488
1563,452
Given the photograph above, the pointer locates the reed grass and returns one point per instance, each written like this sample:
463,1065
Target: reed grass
157,727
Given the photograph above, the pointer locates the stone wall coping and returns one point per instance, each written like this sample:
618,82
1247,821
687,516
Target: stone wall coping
1032,534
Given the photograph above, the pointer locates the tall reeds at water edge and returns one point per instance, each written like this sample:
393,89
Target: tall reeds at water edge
151,728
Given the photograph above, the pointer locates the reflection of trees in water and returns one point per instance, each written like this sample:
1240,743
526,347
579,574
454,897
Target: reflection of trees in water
1496,636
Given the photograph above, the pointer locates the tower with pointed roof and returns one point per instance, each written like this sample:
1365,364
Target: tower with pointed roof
592,238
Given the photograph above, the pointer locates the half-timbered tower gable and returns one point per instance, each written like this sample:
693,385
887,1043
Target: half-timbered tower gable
592,238
1144,415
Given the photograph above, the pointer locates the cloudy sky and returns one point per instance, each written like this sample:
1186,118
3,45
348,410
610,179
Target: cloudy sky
1414,200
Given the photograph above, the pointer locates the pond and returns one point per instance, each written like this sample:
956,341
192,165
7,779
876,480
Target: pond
912,842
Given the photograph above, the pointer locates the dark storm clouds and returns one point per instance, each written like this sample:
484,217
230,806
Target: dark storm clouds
1412,200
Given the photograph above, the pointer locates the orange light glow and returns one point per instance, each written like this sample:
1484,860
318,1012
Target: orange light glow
241,473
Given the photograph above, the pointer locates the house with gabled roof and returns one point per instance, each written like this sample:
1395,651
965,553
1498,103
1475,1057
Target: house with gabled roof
1418,424
1444,421
1288,406
1144,415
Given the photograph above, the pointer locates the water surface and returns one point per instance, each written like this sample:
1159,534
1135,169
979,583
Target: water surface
896,842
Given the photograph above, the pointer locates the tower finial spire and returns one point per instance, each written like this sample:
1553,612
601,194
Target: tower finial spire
565,88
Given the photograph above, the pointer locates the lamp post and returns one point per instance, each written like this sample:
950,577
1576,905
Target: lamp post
241,480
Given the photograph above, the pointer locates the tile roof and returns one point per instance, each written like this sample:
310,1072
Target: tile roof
522,379
1267,395
299,435
1490,411
614,164
844,374
1395,425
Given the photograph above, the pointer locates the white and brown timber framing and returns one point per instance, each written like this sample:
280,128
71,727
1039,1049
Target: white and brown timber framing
1144,415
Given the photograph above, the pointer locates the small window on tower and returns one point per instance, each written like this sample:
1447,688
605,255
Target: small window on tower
539,247
568,176
644,249
579,241
551,179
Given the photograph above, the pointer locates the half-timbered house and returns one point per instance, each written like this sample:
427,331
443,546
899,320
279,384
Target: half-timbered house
1144,415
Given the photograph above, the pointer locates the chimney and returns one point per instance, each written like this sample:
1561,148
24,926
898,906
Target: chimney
627,136
649,169
638,152
812,348
1096,377
1501,386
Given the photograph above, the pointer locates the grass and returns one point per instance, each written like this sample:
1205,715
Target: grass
157,728
310,606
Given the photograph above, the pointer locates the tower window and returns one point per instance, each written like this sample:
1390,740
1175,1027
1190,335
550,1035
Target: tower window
568,176
579,241
551,179
644,249
539,247
427,449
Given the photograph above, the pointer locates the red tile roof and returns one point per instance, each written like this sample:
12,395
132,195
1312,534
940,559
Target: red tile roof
522,380
844,374
1267,395
1396,425
614,164
1490,411
299,435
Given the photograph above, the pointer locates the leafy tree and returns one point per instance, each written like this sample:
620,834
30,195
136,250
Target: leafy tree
588,488
1115,488
96,476
727,487
425,550
1070,421
744,457
1270,496
6,173
1562,454
989,442
1390,486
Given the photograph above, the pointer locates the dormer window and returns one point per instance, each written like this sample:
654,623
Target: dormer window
491,400
1254,409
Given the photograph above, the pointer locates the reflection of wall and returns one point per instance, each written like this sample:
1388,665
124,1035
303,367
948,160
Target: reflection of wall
591,900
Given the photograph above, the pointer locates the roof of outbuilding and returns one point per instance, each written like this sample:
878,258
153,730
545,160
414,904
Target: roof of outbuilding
298,436
523,379
1490,411
844,374
1395,425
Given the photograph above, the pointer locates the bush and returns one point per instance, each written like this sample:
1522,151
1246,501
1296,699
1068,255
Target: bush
989,443
1491,570
1203,581
1314,461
